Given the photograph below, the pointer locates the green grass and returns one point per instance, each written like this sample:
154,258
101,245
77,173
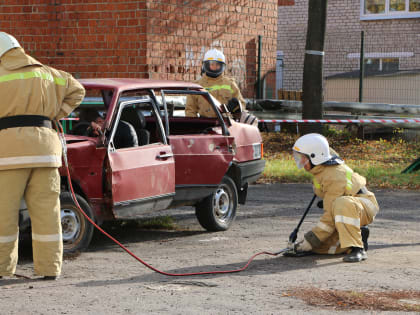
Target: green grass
380,161
387,176
284,170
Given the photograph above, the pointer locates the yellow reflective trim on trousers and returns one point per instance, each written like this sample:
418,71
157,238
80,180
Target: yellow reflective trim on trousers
316,184
32,74
219,87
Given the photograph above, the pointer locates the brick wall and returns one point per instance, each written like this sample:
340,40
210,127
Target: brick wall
343,38
180,34
145,38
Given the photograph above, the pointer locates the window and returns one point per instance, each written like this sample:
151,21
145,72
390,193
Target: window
389,9
136,125
381,64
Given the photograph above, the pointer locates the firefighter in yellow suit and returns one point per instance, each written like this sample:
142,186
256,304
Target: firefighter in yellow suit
216,83
348,205
31,95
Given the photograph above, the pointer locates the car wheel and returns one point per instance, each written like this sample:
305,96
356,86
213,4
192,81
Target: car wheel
217,212
77,230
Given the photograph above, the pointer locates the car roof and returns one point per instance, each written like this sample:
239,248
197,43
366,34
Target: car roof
123,84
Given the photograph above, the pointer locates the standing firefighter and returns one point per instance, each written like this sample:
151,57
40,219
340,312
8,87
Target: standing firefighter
31,96
348,205
223,88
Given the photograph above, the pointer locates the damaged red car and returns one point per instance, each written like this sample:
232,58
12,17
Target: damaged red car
149,157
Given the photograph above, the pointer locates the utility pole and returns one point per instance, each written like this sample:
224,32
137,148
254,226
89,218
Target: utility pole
312,71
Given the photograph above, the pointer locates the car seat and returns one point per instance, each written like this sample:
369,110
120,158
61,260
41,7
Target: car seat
136,118
125,136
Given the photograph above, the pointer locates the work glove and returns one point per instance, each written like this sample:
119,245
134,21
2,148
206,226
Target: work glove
234,106
299,249
320,204
303,246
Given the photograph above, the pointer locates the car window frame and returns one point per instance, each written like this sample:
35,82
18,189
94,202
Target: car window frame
110,144
206,94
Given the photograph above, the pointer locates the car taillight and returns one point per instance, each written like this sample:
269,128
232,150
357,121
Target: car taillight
262,150
257,148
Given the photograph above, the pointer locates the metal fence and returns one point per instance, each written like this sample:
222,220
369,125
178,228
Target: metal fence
391,67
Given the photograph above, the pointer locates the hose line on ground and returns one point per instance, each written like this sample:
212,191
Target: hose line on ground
63,141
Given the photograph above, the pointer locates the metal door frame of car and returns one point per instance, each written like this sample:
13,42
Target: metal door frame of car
136,206
206,94
121,106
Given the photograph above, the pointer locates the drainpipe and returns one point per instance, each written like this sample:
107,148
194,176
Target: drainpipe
259,94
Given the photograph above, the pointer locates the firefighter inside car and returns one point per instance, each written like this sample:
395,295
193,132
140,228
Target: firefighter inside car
222,87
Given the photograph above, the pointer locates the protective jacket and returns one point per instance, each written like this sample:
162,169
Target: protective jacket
222,88
348,205
28,87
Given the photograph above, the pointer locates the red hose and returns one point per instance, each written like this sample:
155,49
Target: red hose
139,259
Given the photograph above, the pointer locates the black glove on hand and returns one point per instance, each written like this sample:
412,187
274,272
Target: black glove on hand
233,105
320,204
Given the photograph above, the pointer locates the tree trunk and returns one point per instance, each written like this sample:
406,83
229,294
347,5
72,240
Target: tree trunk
312,71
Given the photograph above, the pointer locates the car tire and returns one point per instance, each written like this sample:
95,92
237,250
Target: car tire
218,211
77,230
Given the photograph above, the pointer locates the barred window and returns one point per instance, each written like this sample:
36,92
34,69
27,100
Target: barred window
389,9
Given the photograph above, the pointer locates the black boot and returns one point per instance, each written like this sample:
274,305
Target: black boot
50,278
357,254
365,235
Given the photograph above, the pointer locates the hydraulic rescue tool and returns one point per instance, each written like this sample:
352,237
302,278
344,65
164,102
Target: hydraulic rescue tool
293,236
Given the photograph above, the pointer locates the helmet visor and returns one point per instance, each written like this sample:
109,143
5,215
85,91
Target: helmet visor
213,68
300,159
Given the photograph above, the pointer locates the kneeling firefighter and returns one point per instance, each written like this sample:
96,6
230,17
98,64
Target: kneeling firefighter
348,205
32,95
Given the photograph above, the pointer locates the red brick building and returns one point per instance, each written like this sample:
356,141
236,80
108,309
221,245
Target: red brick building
145,38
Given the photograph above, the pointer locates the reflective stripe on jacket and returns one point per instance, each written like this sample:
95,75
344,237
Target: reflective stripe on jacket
222,88
28,87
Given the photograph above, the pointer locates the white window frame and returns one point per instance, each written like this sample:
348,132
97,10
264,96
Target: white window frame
388,14
382,55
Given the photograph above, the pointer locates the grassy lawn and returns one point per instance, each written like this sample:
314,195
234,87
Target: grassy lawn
380,161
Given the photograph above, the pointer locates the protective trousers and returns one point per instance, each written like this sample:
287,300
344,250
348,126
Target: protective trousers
349,214
40,187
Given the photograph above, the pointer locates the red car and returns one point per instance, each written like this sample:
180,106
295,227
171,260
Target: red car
151,157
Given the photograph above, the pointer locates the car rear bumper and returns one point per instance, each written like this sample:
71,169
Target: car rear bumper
251,171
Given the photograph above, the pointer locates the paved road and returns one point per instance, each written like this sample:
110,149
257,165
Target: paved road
104,280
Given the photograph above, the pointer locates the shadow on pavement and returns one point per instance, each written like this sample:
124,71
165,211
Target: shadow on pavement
257,267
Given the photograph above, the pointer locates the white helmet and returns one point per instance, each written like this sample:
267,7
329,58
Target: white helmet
211,57
314,146
7,42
